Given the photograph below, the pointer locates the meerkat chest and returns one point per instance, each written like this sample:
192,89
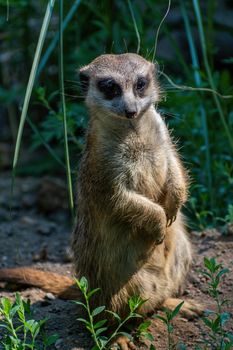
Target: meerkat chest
142,168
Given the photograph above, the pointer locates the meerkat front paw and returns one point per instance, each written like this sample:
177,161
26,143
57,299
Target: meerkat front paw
172,206
157,227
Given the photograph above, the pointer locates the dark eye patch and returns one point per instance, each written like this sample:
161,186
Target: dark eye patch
109,88
141,85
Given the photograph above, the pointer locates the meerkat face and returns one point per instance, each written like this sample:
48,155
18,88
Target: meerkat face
121,86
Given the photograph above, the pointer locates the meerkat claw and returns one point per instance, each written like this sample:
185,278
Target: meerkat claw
171,220
174,219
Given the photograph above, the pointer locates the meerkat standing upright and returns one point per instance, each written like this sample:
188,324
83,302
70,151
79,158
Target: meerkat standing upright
129,238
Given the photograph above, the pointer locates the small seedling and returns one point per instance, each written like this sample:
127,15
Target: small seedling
169,315
218,338
21,331
98,328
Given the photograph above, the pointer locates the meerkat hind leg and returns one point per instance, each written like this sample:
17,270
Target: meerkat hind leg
190,309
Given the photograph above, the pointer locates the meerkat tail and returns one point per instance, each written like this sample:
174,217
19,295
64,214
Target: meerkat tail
61,286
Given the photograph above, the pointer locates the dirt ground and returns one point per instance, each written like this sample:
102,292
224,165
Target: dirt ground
37,234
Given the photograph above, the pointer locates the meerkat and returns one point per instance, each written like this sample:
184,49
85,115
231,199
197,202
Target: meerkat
129,236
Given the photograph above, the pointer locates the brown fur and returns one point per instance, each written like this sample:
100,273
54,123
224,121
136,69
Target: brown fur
129,238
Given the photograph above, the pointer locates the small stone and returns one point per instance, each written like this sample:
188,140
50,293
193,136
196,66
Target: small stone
28,220
50,296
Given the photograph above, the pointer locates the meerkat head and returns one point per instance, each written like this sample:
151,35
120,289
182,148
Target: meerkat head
121,86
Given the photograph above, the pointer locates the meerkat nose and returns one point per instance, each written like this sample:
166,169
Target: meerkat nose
130,114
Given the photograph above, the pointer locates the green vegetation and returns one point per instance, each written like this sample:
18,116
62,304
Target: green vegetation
21,331
169,315
201,119
96,327
216,337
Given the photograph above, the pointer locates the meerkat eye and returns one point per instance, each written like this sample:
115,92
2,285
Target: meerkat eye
109,88
141,84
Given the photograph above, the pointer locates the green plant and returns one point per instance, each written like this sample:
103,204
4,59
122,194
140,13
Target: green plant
22,332
167,319
98,328
218,337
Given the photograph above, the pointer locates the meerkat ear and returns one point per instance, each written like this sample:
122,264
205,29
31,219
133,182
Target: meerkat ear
84,78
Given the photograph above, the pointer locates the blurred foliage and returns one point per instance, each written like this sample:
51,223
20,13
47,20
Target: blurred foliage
99,27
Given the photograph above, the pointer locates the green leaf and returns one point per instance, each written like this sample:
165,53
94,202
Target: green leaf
95,347
161,318
152,347
83,283
135,302
84,321
148,336
100,324
6,303
51,339
216,324
207,322
27,306
176,310
100,330
103,340
92,292
144,326
115,315
80,303
134,314
222,272
205,273
98,310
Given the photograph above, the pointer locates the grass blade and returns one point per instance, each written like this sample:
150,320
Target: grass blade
157,33
135,26
63,103
198,81
208,70
55,40
31,81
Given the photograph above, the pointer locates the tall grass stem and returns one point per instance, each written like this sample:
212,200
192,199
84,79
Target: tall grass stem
7,10
158,30
55,40
63,104
135,26
30,84
198,81
208,70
